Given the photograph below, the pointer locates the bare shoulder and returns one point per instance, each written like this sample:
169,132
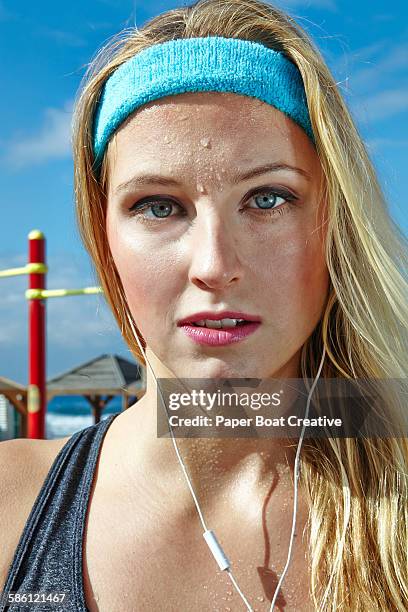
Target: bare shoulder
24,465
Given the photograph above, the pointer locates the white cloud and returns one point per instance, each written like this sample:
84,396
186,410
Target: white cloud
99,25
68,39
375,81
78,321
52,140
369,65
14,334
384,104
395,59
329,5
12,260
363,54
11,290
376,144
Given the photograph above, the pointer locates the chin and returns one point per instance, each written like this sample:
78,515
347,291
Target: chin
213,369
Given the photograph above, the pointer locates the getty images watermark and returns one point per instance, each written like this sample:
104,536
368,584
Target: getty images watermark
273,407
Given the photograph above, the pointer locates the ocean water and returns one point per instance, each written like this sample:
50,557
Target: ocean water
67,414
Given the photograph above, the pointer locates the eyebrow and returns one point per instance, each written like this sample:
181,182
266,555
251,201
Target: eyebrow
236,177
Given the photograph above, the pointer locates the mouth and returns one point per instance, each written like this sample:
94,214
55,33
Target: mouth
219,323
217,320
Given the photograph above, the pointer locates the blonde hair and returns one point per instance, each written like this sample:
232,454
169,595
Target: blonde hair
356,488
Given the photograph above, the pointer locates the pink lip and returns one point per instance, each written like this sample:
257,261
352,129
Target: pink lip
219,337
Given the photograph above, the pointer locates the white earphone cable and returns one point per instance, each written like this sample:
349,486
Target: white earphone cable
296,478
209,536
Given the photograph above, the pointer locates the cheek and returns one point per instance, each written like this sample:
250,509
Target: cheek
298,281
310,282
147,275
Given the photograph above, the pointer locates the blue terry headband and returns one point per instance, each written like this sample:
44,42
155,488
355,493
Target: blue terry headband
211,63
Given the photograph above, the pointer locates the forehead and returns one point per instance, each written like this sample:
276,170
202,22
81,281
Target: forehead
195,127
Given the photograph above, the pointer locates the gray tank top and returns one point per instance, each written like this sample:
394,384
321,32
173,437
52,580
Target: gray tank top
48,558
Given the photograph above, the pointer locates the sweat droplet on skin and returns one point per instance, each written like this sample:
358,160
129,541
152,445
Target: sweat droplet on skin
205,142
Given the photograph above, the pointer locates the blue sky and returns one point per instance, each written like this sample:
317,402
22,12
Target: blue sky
45,47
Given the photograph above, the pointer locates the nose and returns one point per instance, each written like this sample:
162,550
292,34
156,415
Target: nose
215,262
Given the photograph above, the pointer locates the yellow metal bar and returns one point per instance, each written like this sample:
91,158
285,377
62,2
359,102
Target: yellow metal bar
40,294
30,268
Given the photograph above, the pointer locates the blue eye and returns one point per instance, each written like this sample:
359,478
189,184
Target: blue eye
267,199
160,209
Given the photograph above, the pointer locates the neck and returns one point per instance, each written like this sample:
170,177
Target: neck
240,466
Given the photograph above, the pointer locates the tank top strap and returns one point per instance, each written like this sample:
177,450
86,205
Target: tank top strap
48,558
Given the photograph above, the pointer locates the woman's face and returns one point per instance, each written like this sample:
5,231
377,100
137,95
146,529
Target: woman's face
214,241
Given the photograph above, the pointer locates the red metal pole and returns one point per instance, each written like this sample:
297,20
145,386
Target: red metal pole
36,397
